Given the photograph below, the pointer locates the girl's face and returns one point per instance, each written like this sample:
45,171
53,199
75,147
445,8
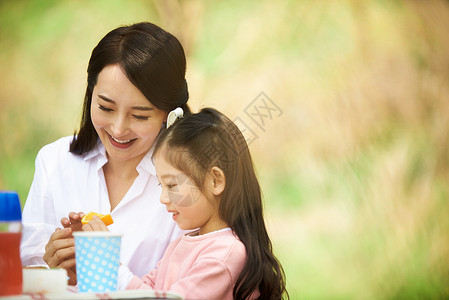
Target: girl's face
189,207
126,122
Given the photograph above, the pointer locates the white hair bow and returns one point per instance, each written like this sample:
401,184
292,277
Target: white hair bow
174,115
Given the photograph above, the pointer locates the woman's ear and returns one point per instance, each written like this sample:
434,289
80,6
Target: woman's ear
219,180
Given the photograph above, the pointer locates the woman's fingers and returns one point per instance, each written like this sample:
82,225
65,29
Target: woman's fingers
64,257
53,242
69,262
73,216
73,221
71,273
96,224
65,222
76,217
59,247
59,255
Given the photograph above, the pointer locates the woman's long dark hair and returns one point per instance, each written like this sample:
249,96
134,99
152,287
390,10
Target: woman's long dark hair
152,59
194,145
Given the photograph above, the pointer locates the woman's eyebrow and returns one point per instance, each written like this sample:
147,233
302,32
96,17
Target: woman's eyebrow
106,99
145,108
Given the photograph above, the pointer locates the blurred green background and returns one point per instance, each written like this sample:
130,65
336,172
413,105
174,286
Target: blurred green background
354,162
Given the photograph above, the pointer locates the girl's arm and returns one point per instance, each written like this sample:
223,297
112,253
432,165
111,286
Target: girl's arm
145,283
208,279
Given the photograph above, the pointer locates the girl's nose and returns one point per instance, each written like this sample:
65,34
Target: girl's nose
164,198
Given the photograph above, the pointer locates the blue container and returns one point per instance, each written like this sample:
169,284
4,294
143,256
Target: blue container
10,235
10,210
97,255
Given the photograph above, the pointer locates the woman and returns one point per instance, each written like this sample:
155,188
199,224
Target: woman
136,76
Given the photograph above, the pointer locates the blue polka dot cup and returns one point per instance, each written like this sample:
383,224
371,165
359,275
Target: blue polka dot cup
97,255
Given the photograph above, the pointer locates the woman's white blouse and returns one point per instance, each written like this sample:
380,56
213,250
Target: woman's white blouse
64,182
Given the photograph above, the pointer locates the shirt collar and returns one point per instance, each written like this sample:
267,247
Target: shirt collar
96,151
145,165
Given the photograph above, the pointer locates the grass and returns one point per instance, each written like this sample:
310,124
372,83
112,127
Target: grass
354,171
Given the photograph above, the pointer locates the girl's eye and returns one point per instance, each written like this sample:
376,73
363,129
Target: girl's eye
170,186
140,117
103,108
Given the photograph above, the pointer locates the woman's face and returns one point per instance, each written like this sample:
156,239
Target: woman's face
126,122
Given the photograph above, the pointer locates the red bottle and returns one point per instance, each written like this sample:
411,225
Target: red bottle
10,235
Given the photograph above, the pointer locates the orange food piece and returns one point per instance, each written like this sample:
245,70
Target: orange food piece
107,219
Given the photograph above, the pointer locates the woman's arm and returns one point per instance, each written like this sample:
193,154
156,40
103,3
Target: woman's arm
38,217
43,243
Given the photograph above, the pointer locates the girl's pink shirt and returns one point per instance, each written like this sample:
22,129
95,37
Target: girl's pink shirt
198,267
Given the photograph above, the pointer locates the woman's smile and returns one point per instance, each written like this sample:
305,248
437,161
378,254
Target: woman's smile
122,144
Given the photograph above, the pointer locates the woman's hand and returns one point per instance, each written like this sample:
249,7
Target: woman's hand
96,224
60,252
73,221
60,249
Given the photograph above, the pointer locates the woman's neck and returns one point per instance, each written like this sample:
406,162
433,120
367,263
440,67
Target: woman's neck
119,176
123,169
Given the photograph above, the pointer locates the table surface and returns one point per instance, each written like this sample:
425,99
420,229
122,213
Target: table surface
126,294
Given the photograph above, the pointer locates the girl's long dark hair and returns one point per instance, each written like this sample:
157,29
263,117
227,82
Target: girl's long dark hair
200,141
152,59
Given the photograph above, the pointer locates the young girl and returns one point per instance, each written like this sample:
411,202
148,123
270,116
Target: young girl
209,185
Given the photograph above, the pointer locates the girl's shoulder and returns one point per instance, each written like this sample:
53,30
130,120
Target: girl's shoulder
236,249
223,245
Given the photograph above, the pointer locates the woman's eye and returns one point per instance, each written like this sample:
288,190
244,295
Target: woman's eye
103,108
170,186
140,117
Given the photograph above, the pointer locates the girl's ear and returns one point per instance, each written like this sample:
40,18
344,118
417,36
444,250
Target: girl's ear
219,180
